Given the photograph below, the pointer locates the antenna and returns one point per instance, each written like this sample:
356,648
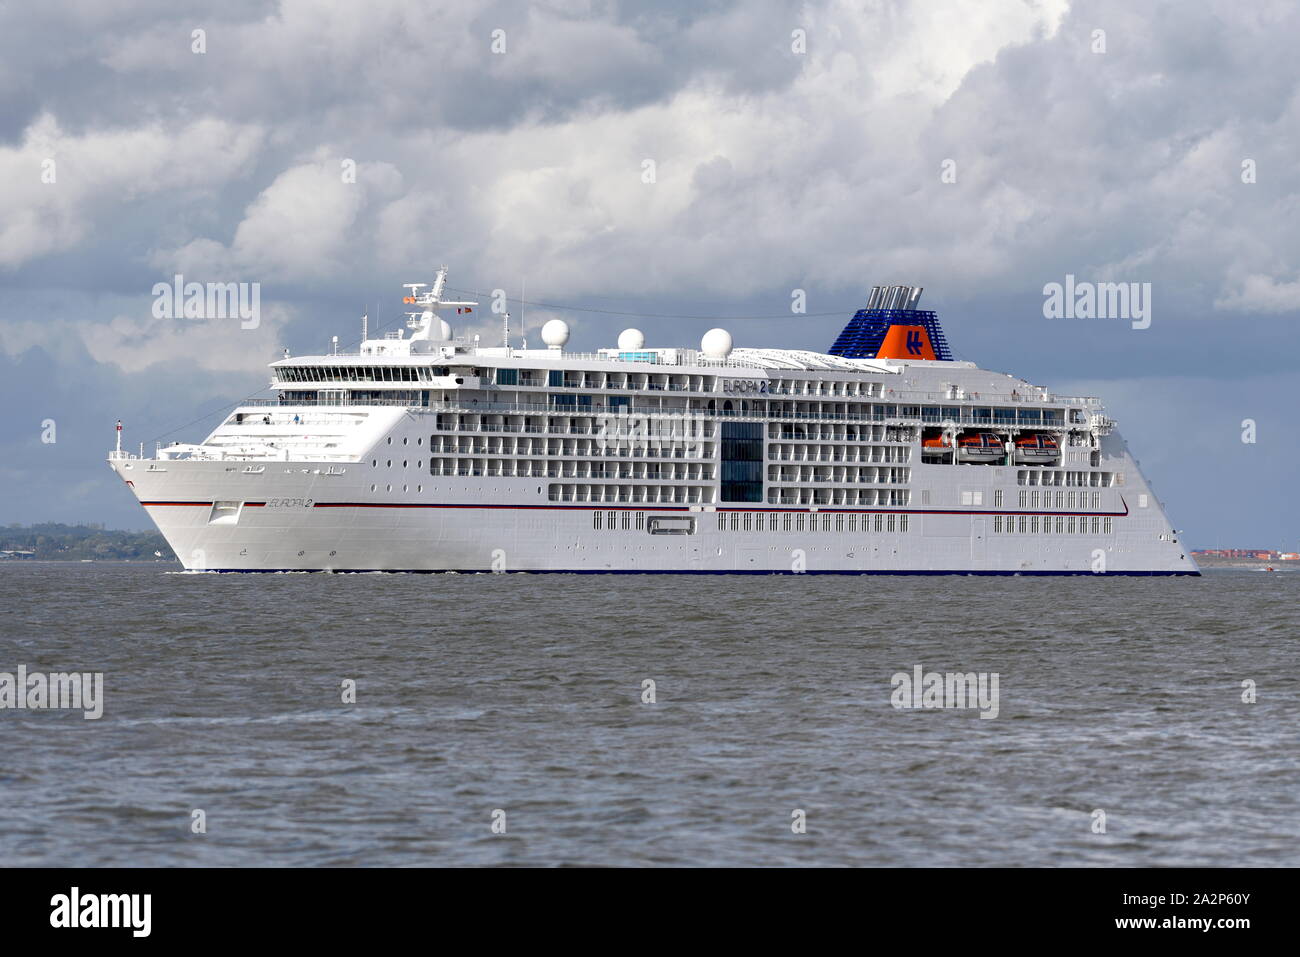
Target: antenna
421,323
505,340
365,320
438,283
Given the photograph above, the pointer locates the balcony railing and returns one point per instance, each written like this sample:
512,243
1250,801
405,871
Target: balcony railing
758,410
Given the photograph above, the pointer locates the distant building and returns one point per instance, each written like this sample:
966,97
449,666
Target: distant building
1261,554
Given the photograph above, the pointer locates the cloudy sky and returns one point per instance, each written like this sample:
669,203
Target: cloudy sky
981,150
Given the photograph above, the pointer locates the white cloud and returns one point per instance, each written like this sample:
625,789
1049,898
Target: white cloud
135,343
96,174
302,226
1256,293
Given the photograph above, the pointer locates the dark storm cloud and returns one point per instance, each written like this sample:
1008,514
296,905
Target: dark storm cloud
377,65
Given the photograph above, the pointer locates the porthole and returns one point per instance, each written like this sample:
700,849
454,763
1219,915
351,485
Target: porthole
390,463
388,488
390,440
374,463
374,488
405,441
403,463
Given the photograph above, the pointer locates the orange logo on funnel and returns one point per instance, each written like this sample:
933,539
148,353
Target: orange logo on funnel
906,342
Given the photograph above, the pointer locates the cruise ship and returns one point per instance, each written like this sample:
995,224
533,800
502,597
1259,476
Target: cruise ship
425,451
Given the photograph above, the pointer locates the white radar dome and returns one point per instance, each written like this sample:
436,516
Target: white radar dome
555,333
716,344
630,340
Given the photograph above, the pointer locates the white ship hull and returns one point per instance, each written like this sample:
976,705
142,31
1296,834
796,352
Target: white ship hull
296,517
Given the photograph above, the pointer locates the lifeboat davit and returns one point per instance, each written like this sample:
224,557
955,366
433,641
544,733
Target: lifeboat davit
980,447
1037,449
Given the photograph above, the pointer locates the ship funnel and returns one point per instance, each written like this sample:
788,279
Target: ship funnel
891,326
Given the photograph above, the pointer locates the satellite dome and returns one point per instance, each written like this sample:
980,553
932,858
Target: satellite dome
716,344
555,333
629,340
438,328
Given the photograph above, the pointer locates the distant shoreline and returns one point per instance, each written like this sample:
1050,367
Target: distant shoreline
1215,561
88,561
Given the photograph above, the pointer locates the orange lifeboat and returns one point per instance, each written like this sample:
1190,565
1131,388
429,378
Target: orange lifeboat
1037,449
936,448
980,447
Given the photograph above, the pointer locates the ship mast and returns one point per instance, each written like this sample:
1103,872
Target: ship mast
422,323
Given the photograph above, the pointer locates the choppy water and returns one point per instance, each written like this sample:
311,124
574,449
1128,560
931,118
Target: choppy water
523,693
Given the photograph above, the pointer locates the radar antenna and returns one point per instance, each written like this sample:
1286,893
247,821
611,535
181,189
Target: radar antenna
431,301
